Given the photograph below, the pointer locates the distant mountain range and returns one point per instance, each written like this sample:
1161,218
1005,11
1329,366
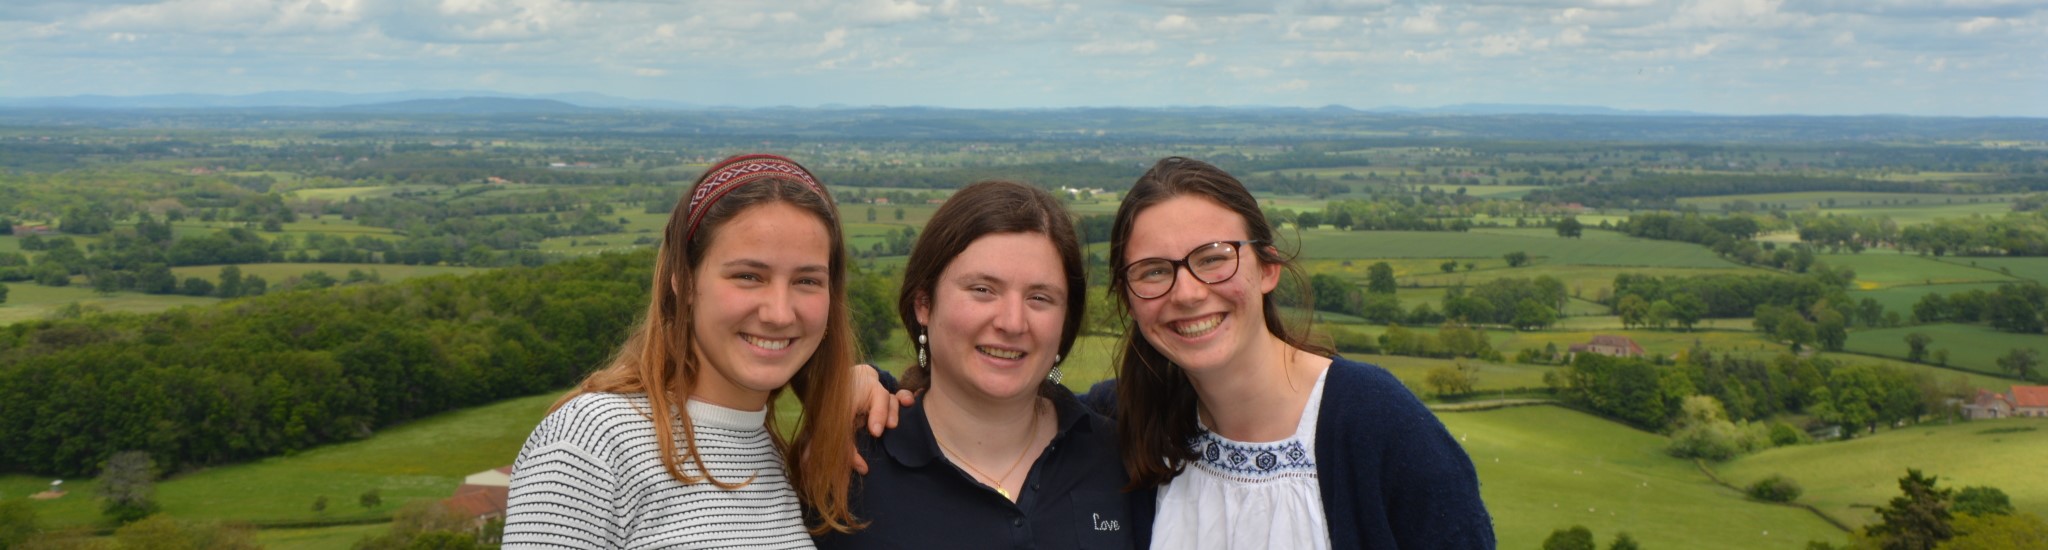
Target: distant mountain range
488,102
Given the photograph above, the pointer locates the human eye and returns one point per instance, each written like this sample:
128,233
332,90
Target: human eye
1150,271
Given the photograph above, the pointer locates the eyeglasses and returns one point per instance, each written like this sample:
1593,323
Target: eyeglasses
1210,263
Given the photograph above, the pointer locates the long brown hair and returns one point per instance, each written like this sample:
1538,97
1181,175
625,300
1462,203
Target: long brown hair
1155,400
660,354
986,208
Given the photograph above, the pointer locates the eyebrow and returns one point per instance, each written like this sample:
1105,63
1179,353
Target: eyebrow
751,263
987,278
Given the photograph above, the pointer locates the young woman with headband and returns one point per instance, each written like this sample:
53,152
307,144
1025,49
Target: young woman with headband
674,444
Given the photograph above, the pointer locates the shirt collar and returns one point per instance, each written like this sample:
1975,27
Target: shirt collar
913,445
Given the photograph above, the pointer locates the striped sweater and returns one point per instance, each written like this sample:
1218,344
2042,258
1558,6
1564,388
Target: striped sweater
590,476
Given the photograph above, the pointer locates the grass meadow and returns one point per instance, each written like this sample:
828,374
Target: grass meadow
277,273
1550,250
1972,347
28,301
1878,270
1846,479
1545,468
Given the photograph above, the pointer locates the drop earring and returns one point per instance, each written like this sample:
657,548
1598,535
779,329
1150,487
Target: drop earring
1055,376
922,362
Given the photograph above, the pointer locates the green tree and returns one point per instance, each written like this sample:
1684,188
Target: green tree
1379,278
1570,227
873,316
1533,315
1447,380
1633,310
899,213
1622,541
371,499
1687,309
2020,362
1982,501
320,504
871,214
1448,266
1916,346
127,486
1998,532
1576,537
1917,519
3,293
230,282
1517,258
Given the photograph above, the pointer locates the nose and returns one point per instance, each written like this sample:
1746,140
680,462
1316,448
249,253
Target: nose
1010,317
1187,288
778,307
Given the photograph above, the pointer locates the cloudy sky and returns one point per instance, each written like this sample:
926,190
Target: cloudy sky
1932,57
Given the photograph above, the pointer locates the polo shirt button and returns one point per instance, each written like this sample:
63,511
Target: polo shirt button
1017,522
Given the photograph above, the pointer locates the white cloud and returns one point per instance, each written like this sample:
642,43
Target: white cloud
1574,36
1424,22
1248,72
644,71
1295,85
1200,60
1174,23
1405,88
1846,38
1975,25
1112,47
884,11
833,40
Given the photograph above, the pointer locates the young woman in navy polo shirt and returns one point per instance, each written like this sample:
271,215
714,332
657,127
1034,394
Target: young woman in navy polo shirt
995,453
1253,438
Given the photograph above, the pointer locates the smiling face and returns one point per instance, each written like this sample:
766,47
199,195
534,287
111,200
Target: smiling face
1199,326
995,317
759,304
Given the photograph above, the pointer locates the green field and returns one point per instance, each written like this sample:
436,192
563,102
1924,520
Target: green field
1902,298
1492,376
2034,269
1877,270
1846,478
1546,468
1941,375
1972,347
425,459
1550,250
1845,200
277,273
29,301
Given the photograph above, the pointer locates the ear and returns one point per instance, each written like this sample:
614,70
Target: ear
923,308
675,285
1269,274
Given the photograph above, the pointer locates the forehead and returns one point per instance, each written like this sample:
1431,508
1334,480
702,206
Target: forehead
772,232
1172,228
1017,258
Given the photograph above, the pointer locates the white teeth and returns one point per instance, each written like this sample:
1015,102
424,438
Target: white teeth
1199,328
767,344
999,353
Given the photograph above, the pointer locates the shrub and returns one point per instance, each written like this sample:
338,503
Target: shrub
1776,488
1783,434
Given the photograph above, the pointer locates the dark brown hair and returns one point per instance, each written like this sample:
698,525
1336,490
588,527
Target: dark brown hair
659,355
982,209
1155,400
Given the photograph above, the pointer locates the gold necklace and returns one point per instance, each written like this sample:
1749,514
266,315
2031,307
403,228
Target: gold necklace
1031,434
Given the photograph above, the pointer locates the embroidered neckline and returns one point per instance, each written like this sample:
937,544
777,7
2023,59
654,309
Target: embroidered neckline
1252,460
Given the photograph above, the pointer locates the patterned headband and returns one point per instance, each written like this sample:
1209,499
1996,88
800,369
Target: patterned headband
730,174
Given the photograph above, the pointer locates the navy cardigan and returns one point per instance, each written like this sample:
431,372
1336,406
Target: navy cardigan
1390,474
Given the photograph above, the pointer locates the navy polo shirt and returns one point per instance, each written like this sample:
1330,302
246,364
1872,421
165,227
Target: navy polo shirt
914,497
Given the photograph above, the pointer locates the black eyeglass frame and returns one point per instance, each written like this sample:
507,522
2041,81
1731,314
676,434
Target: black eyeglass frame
1123,274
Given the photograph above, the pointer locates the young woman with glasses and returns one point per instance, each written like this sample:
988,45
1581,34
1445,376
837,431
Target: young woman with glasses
1252,437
